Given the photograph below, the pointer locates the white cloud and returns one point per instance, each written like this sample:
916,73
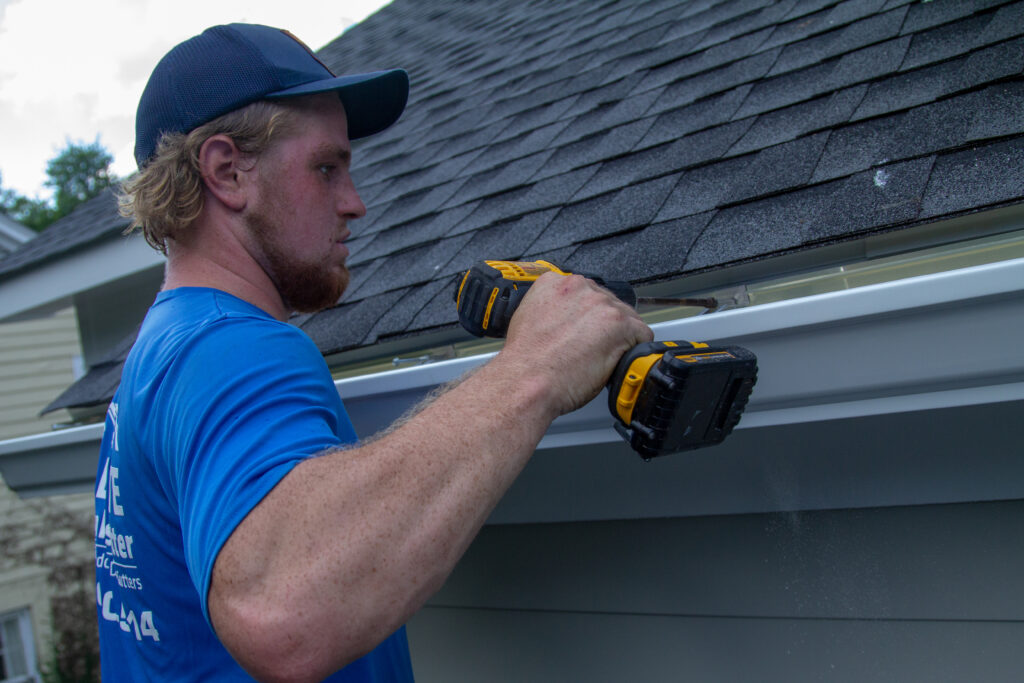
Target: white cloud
74,70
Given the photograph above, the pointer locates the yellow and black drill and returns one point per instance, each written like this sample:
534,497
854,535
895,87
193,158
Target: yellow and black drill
666,396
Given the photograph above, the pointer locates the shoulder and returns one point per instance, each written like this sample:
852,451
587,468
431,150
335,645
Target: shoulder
200,346
195,320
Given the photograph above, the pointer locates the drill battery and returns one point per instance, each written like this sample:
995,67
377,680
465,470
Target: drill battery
676,395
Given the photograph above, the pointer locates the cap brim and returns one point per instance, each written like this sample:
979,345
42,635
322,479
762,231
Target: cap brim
373,101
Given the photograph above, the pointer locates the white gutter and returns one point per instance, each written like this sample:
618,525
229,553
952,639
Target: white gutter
916,346
942,340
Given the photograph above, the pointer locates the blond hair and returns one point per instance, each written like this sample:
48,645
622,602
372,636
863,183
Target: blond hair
166,196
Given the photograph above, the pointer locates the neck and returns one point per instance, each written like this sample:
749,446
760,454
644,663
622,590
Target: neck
216,256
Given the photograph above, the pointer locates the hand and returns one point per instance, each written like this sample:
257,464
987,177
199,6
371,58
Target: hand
571,332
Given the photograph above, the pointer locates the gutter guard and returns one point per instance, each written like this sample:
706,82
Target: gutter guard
910,346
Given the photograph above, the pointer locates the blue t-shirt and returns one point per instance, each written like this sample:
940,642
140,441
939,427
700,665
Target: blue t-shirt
218,401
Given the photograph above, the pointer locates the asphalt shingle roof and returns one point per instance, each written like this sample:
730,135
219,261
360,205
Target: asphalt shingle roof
650,139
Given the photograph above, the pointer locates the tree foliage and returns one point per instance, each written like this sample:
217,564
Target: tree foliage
76,174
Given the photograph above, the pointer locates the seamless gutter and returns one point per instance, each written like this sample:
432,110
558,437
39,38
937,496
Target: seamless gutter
921,343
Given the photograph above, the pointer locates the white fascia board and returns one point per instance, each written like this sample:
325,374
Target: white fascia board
51,285
914,346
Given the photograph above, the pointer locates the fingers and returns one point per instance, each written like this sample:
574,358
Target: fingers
573,331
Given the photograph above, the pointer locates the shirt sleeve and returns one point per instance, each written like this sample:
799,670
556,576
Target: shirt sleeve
249,400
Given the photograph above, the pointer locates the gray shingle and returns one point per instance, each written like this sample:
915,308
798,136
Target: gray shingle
704,188
869,63
96,388
616,212
705,59
495,209
609,116
404,306
347,326
719,80
625,170
711,111
925,15
439,311
806,19
788,89
779,168
870,30
708,145
1006,24
942,125
607,144
421,231
851,10
641,255
507,241
813,215
906,90
976,178
992,63
887,195
1000,111
946,41
746,24
790,123
559,189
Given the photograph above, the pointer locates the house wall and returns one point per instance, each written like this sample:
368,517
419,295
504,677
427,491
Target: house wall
36,365
35,536
928,592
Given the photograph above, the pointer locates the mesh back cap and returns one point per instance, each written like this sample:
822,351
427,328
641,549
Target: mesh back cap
227,67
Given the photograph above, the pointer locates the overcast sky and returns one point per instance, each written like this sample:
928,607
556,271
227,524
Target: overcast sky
74,69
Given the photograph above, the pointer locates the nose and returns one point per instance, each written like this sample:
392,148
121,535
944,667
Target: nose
350,205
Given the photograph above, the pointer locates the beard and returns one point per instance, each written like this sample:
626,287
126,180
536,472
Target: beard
304,287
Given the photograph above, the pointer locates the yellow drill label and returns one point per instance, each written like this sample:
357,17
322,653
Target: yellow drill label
524,271
698,357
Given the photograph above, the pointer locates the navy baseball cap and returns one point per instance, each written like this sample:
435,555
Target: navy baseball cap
227,67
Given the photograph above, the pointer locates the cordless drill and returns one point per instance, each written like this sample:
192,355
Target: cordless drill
666,396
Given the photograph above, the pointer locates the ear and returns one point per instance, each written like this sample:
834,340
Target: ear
220,164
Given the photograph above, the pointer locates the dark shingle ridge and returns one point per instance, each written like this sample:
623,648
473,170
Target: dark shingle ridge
651,139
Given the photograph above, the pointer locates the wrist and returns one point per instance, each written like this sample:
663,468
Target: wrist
528,387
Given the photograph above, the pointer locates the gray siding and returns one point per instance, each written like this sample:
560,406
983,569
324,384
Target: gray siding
36,364
912,593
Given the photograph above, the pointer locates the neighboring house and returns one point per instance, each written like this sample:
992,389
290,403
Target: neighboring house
846,174
36,358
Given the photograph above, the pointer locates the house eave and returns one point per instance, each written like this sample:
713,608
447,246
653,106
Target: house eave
846,378
51,285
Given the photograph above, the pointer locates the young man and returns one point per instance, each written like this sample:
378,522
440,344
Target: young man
240,530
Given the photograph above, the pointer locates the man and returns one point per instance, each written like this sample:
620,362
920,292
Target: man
239,531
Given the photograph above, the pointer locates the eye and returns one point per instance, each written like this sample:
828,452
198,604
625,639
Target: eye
326,170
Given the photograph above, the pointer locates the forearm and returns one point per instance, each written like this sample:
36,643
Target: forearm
350,544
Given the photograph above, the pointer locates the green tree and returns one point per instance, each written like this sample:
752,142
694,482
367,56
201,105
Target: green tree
78,173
